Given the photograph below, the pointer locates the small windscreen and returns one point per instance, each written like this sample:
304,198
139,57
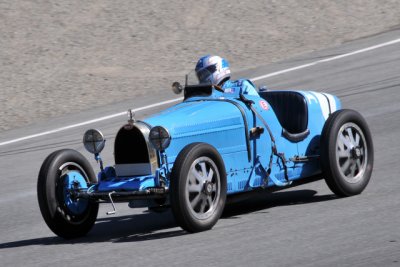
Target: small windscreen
198,90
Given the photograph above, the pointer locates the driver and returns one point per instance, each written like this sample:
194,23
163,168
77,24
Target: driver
215,70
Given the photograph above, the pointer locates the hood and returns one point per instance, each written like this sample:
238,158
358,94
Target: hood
194,117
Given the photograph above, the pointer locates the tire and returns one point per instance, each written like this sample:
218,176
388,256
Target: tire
347,153
193,183
65,216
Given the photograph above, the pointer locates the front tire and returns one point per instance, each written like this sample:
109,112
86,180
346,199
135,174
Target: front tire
198,187
347,153
65,215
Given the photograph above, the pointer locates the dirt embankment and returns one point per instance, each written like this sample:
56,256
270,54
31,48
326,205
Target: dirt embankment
68,56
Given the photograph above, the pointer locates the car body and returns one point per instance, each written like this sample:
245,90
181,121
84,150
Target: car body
225,123
212,144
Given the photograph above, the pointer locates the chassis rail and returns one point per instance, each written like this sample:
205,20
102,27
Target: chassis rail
123,196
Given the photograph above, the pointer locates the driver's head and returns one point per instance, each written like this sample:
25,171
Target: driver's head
212,70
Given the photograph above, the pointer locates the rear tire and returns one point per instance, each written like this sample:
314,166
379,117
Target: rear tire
198,187
65,216
347,153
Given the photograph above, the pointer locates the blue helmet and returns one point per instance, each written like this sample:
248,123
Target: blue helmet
212,70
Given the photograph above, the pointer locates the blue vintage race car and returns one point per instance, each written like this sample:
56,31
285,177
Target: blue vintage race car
191,156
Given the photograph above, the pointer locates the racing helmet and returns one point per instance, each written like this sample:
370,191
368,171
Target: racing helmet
212,70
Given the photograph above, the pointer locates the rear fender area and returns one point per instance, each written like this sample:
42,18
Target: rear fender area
320,107
302,114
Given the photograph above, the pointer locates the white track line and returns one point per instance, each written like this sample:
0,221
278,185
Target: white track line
327,60
179,99
89,122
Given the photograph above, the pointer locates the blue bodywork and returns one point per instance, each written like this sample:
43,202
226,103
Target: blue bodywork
226,122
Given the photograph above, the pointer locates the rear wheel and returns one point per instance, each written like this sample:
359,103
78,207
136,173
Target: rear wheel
61,173
347,153
198,187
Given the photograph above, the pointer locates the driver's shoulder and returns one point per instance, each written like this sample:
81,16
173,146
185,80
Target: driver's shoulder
247,82
238,83
239,86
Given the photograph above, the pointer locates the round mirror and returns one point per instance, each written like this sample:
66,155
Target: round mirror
94,141
177,88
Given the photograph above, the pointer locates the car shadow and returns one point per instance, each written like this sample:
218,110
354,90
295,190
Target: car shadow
260,200
154,226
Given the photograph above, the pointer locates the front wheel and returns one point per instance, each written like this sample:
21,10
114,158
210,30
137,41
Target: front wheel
198,187
347,153
62,173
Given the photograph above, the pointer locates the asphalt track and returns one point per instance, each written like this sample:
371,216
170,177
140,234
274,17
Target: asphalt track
301,226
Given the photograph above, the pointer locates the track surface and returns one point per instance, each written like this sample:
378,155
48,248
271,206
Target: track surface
302,226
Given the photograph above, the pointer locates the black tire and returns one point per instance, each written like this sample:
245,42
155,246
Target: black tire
207,193
347,153
51,196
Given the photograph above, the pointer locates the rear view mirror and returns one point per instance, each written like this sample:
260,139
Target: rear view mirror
177,88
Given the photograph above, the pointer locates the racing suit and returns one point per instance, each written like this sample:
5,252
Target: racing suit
242,85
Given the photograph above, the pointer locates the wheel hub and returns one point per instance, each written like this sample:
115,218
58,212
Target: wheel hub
72,182
207,188
355,152
351,152
202,187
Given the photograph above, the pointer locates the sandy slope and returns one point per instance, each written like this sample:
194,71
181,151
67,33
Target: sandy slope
65,54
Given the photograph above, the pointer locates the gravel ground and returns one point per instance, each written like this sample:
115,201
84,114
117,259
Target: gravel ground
59,57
